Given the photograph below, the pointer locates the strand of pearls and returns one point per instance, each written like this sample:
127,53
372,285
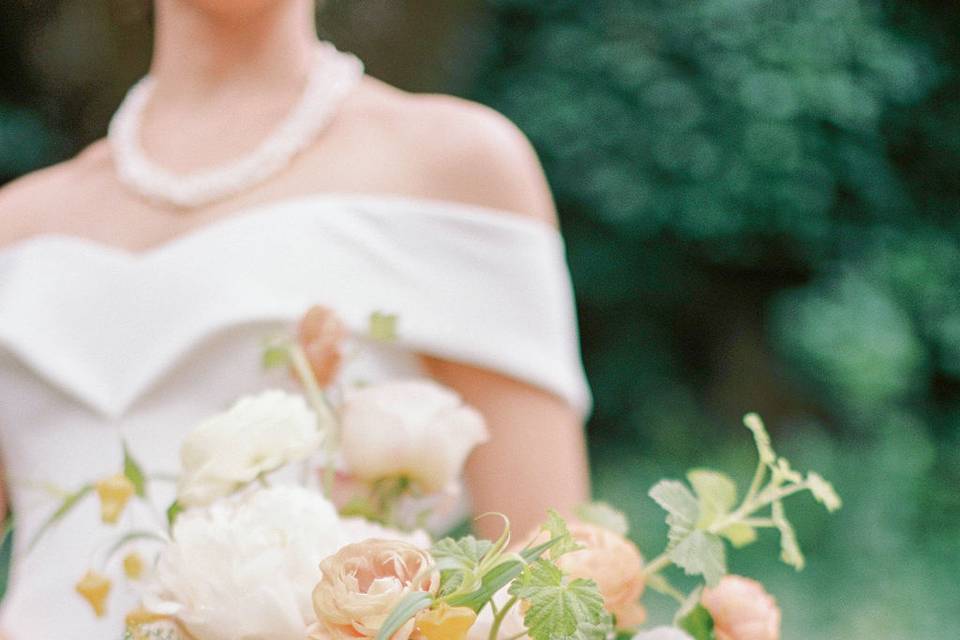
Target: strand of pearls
332,76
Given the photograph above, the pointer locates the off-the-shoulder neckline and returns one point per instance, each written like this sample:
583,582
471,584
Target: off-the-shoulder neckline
441,208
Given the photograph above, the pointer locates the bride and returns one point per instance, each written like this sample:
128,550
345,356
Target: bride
255,172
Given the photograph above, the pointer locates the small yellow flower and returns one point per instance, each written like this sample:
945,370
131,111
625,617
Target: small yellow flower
446,622
133,565
95,588
114,493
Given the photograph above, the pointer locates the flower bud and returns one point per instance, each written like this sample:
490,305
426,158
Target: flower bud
133,565
114,493
95,588
742,610
321,333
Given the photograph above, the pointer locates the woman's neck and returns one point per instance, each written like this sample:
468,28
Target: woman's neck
198,53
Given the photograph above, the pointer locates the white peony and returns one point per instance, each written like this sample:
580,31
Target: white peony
256,435
663,633
415,428
244,568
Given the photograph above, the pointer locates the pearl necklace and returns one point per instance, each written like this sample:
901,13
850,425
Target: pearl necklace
332,76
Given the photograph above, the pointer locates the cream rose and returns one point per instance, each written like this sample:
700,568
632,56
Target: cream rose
615,564
256,435
363,582
413,428
244,567
742,610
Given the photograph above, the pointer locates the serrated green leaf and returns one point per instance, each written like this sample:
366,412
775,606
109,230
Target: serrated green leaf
674,497
700,553
134,472
275,356
66,506
557,528
790,551
464,554
698,623
761,437
740,534
383,326
411,604
603,515
823,492
557,607
716,494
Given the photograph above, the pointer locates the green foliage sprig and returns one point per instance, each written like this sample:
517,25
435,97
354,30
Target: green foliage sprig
705,514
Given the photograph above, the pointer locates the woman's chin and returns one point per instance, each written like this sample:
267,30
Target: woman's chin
230,10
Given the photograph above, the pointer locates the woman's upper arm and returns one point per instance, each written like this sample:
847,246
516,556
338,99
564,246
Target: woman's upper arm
536,457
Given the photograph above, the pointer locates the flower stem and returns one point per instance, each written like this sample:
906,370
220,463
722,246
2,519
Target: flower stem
657,565
326,418
498,618
757,479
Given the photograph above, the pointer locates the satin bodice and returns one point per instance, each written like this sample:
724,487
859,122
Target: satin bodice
100,346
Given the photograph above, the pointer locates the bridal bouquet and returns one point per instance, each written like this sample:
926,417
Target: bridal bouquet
299,516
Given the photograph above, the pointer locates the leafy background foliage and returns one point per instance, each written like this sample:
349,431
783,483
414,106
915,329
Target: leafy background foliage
760,199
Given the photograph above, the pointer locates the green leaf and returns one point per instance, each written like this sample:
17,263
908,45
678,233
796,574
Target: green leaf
66,506
464,554
823,492
716,495
698,623
557,528
761,437
603,515
6,557
276,356
558,607
492,581
383,326
790,551
678,501
740,534
411,604
174,510
134,472
700,553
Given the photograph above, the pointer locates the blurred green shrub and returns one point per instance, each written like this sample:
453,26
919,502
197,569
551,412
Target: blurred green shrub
760,199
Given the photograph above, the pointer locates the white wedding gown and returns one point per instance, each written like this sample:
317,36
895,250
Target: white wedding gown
99,345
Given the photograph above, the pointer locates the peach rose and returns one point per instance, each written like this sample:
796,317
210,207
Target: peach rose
615,564
321,333
363,582
742,610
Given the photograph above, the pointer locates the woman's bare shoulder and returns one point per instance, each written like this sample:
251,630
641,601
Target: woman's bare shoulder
31,203
463,151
